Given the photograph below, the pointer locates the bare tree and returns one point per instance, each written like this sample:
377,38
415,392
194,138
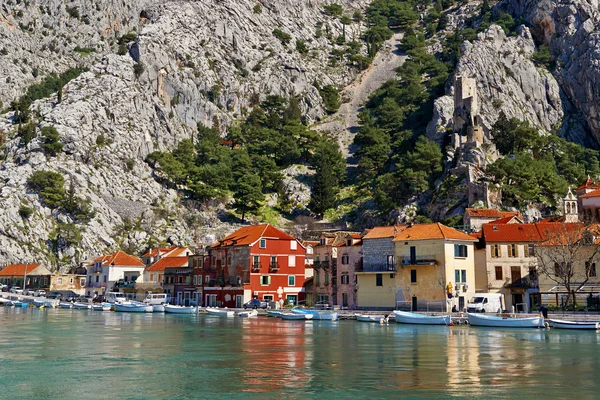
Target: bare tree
567,255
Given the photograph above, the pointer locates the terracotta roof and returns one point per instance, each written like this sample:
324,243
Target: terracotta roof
588,184
432,231
18,269
248,235
381,232
491,213
310,243
595,193
493,232
163,251
119,259
560,233
167,262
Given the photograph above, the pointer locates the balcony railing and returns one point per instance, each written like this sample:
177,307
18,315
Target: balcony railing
524,283
273,267
379,268
418,260
124,285
97,270
256,267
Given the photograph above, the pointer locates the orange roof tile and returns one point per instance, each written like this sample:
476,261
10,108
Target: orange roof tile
168,262
491,213
381,232
588,184
595,193
432,231
163,251
248,235
493,232
119,259
18,269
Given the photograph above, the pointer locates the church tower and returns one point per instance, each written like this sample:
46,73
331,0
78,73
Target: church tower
570,210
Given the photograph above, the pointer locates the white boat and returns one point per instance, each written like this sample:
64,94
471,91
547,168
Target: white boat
220,312
101,307
133,306
562,324
296,316
247,314
82,306
273,313
316,314
404,317
381,319
65,305
6,302
169,308
158,308
51,303
504,321
39,303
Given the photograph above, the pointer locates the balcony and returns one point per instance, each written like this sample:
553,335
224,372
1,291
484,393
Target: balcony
377,268
97,269
316,264
274,267
124,285
256,267
523,283
418,260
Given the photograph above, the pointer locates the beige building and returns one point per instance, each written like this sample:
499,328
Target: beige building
350,259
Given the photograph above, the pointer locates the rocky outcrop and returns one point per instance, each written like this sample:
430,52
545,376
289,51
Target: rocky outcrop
507,81
204,61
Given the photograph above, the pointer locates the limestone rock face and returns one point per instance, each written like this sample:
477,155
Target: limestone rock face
203,61
507,81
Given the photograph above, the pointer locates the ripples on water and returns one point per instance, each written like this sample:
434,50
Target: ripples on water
75,354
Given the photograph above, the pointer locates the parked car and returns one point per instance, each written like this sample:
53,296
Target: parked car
39,293
28,292
16,290
55,294
256,303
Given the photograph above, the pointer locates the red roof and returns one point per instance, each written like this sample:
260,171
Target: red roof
595,193
549,232
18,269
432,231
163,251
381,232
588,184
119,259
168,262
248,235
491,213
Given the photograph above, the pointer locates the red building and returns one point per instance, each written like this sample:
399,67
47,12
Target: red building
257,261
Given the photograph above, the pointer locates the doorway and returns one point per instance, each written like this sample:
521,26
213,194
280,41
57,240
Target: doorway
461,303
345,300
239,301
414,303
413,255
211,300
186,299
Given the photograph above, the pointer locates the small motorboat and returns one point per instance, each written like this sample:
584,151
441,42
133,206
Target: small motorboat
296,316
380,319
316,314
220,312
404,317
584,325
169,308
247,314
6,302
500,321
39,303
51,303
273,313
19,303
158,308
64,304
101,307
82,306
133,306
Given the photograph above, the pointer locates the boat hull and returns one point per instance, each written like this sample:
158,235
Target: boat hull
248,314
158,308
504,322
82,306
581,325
403,317
273,313
21,304
296,317
319,315
133,308
180,309
219,312
371,318
102,307
65,305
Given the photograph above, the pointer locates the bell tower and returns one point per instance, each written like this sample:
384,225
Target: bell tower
570,210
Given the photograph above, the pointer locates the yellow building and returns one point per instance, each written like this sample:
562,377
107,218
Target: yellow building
431,260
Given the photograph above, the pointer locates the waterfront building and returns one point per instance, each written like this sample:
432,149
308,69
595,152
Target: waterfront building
325,267
350,260
309,288
474,218
178,280
426,259
74,282
157,260
114,271
258,261
26,276
153,255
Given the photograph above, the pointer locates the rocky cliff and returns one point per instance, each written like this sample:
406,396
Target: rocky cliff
204,61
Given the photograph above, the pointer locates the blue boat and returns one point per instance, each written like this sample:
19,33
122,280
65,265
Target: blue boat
20,304
322,315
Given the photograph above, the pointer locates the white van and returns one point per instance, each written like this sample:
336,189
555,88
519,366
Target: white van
115,297
486,302
156,298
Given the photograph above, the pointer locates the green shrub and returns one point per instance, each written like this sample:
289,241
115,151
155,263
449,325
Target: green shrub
50,187
283,37
25,212
301,47
51,141
335,10
138,69
257,9
331,98
26,132
541,56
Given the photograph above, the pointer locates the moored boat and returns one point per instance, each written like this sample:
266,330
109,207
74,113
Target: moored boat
247,314
158,308
316,314
82,306
504,321
381,319
65,305
296,316
6,302
169,308
51,303
101,307
404,317
39,303
19,303
220,312
273,313
133,306
583,325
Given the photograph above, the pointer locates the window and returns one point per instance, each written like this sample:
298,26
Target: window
413,276
105,278
590,268
159,278
460,275
379,280
207,279
531,250
265,280
263,243
323,241
533,273
390,261
349,242
256,261
345,259
293,245
499,273
195,279
291,261
181,279
291,280
496,251
268,297
82,282
515,274
317,279
71,281
513,250
151,277
460,250
326,278
97,280
345,279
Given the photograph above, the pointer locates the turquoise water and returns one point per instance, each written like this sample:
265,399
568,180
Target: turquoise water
76,354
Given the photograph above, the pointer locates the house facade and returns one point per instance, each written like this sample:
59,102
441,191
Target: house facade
26,276
474,218
349,259
113,272
257,261
179,281
74,282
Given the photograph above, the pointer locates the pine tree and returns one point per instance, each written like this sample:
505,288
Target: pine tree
329,172
248,194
